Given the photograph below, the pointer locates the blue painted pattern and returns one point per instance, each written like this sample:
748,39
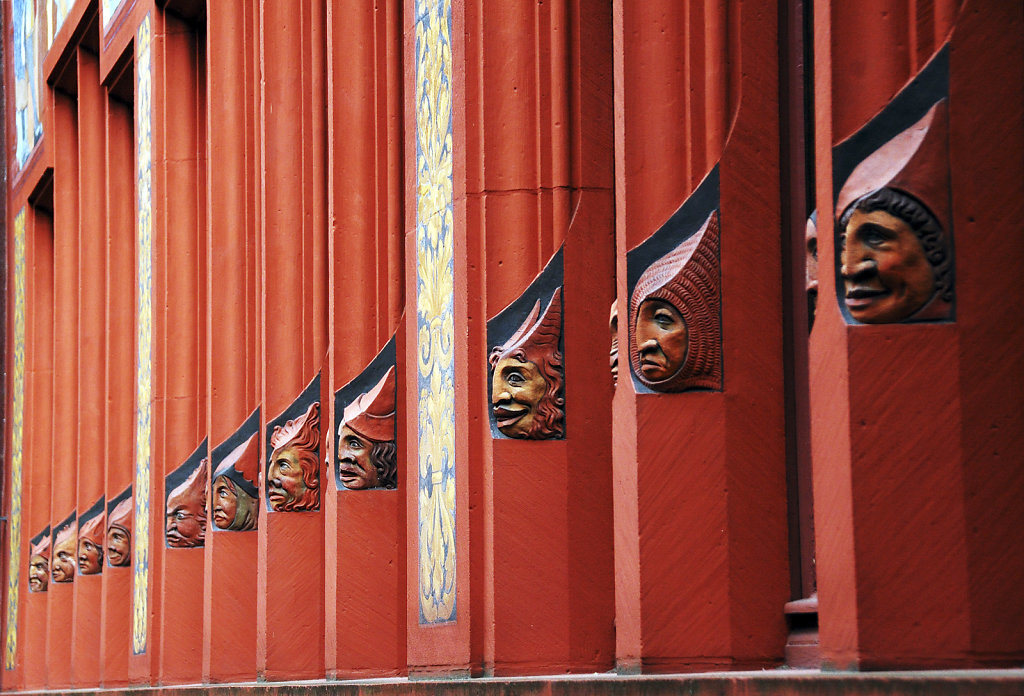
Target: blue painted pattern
435,300
144,356
28,128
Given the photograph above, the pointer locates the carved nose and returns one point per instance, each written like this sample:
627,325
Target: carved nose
648,345
858,268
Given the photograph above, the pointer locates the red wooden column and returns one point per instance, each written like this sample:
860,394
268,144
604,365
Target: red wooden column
233,348
179,341
293,319
120,373
700,507
915,424
39,399
366,530
91,313
64,139
538,178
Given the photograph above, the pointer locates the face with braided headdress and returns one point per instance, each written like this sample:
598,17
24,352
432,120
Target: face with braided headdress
675,327
527,398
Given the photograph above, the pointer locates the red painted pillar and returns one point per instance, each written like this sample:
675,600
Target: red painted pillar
291,544
366,530
913,490
39,400
539,175
179,322
64,139
699,476
120,373
233,347
91,388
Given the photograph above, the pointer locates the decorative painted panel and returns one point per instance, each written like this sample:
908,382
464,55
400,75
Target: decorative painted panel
435,302
28,127
17,429
109,7
57,12
144,356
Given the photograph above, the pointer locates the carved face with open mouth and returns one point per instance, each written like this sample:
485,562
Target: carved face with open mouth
517,388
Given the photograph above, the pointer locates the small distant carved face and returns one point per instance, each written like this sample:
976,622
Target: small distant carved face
517,388
90,557
119,542
225,502
64,562
811,266
661,339
38,573
233,508
355,465
285,482
886,275
186,522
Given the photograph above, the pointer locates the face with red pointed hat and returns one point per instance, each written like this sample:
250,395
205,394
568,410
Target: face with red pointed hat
119,534
39,566
63,569
526,380
186,511
895,261
293,477
367,453
90,546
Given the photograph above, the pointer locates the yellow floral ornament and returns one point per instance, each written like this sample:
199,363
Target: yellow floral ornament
435,302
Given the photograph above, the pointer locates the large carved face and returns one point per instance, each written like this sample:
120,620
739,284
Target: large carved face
886,275
119,543
233,508
186,519
661,339
517,389
64,560
90,557
285,482
355,466
38,573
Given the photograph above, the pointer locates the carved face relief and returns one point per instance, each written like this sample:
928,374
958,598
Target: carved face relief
811,266
661,340
119,543
517,388
64,560
527,379
355,468
293,473
886,275
186,520
90,557
285,484
38,573
675,325
233,508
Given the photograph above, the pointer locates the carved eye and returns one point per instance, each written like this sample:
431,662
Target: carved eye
874,236
222,493
812,247
354,443
664,318
515,378
283,465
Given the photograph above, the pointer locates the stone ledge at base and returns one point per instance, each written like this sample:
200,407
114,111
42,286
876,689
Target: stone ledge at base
1009,682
